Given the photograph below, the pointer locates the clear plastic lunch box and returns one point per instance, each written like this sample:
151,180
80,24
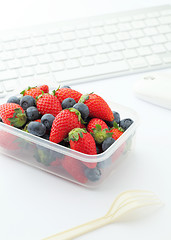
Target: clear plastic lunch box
48,156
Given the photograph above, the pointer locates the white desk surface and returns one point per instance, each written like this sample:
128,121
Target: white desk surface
35,204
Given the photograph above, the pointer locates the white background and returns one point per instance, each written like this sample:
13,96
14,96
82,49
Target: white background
35,204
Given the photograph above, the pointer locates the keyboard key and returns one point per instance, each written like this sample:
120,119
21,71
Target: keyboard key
159,39
59,56
138,24
55,38
167,58
1,89
65,45
150,31
123,36
40,69
40,40
29,61
44,58
137,63
50,48
21,53
56,66
152,22
2,66
110,29
168,46
154,60
80,43
113,56
10,45
27,71
10,74
104,48
97,31
124,27
146,41
72,63
164,29
16,63
101,58
130,53
136,33
75,53
143,51
25,43
86,61
168,36
165,19
94,40
36,50
84,33
67,36
116,46
158,48
89,51
10,85
6,55
133,43
108,38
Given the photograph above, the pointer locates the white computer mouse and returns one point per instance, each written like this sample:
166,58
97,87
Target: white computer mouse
155,88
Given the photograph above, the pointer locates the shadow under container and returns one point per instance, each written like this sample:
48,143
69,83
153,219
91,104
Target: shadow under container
86,170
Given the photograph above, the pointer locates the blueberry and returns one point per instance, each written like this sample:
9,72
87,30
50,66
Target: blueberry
65,86
98,148
32,113
1,119
107,143
13,99
125,123
116,119
27,101
68,103
93,174
47,120
46,136
83,109
45,156
105,163
36,128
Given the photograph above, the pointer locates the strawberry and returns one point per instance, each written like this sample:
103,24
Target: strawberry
116,131
98,107
13,114
63,93
82,141
63,123
75,168
44,88
118,152
32,91
9,141
47,103
98,129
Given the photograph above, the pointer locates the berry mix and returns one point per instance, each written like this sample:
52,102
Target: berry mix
82,122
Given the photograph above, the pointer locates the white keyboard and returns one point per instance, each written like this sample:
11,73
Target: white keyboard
88,49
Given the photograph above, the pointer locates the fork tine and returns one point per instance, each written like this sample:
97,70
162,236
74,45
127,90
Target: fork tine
123,197
133,204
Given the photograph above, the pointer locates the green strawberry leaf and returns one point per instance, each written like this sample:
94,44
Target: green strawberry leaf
76,133
83,98
115,125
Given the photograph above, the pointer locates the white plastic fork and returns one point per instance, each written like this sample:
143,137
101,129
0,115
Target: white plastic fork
124,202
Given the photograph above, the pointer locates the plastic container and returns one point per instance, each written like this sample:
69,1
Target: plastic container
52,157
